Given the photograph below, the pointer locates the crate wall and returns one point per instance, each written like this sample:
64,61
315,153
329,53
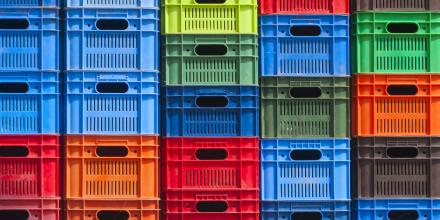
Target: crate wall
31,208
291,7
326,210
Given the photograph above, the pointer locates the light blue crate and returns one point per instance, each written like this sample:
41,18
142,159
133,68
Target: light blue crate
305,210
29,3
113,3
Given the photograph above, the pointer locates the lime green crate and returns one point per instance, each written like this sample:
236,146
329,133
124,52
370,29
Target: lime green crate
395,42
305,107
206,60
191,17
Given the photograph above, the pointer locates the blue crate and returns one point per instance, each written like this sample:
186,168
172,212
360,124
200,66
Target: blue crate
93,43
29,39
305,169
211,111
405,209
303,210
29,102
285,51
113,3
112,103
29,3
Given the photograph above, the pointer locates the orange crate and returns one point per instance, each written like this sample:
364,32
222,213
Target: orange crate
95,209
99,167
390,105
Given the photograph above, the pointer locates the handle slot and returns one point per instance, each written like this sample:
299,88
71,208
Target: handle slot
305,30
14,151
212,101
14,214
112,24
113,215
211,154
305,92
402,152
14,87
212,206
306,216
305,154
402,90
210,1
105,151
402,27
14,24
403,215
111,87
211,50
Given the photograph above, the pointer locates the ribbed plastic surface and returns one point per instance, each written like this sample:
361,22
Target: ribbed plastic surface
396,5
304,45
302,210
210,60
113,4
32,209
29,3
209,17
112,39
396,105
304,107
395,42
305,169
304,6
112,103
211,111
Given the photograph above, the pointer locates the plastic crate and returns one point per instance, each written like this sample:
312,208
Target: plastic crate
112,39
304,7
112,103
305,107
304,45
29,39
209,17
210,60
395,42
220,111
305,169
211,204
111,167
113,4
404,209
396,105
31,209
396,167
29,3
301,210
396,5
98,209
210,163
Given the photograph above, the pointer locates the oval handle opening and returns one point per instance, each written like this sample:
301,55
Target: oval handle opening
402,152
402,90
113,87
112,24
113,215
211,154
402,27
105,151
306,216
212,206
305,154
305,92
212,101
14,24
14,214
403,215
210,1
14,87
305,30
14,151
211,50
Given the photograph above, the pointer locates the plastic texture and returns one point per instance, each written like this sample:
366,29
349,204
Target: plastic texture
112,39
31,209
111,167
29,3
210,60
209,17
210,163
304,7
396,167
396,105
112,103
305,169
395,42
305,107
396,5
113,4
301,210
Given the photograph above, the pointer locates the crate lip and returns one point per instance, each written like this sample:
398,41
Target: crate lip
375,203
275,9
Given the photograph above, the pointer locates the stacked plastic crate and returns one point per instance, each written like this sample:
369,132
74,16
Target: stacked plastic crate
396,94
305,155
112,109
211,104
29,110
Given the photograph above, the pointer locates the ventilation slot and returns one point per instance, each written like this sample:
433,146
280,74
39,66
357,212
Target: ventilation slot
112,87
305,30
14,151
400,4
212,101
403,215
14,87
211,178
402,90
211,50
112,151
14,214
14,24
113,215
207,20
112,24
213,123
211,154
212,206
305,155
306,216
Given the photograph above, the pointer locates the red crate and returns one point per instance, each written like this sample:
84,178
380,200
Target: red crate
29,166
304,6
211,204
205,163
30,209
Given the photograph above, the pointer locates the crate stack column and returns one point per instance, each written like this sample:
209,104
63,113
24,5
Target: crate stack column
210,95
29,110
111,109
305,145
396,96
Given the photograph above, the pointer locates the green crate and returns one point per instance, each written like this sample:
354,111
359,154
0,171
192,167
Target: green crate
380,46
190,17
305,107
210,60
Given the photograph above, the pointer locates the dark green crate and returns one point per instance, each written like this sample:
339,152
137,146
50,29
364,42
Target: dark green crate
308,107
236,64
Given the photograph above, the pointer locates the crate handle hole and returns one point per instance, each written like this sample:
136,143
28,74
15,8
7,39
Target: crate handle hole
112,24
212,206
105,151
210,1
14,87
211,154
402,27
14,214
403,215
112,87
14,151
402,90
14,23
305,30
305,92
402,152
306,216
212,101
211,50
113,215
305,154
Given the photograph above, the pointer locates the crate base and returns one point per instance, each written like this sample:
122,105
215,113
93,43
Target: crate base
35,209
327,210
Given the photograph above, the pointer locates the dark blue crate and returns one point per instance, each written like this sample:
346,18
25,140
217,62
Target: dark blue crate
305,210
405,209
113,3
305,169
29,102
323,51
29,39
211,111
29,3
113,103
112,39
